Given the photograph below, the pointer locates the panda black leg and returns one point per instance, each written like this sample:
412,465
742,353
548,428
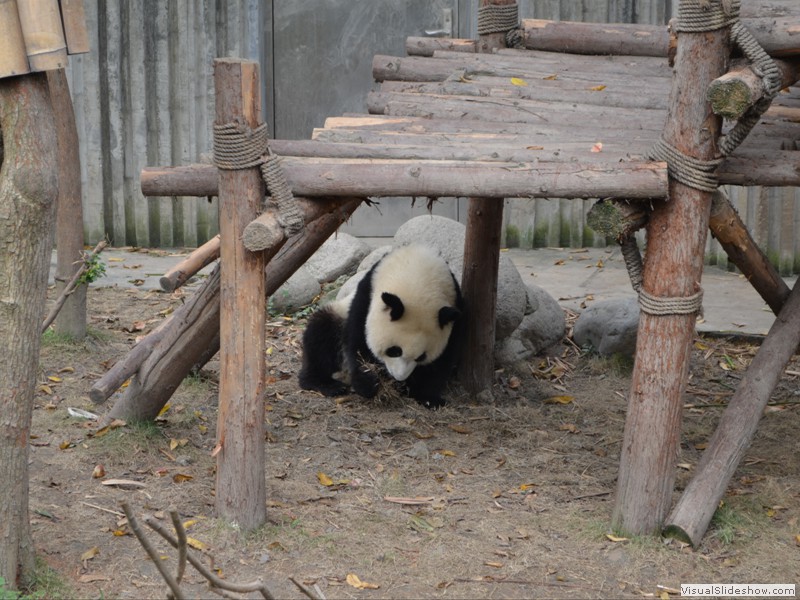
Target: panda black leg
426,387
322,354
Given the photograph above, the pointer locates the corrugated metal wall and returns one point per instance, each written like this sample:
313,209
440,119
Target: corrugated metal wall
144,96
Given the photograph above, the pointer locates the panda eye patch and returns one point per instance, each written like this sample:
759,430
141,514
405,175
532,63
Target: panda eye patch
394,352
422,357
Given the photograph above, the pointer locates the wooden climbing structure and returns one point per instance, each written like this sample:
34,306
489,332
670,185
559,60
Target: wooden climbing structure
574,111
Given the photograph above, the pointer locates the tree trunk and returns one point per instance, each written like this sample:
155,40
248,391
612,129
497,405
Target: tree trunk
71,320
28,189
676,235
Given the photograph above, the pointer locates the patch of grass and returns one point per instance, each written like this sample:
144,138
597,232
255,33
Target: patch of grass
122,444
736,519
63,341
46,583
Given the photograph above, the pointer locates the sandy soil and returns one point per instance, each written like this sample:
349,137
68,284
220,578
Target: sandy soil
513,499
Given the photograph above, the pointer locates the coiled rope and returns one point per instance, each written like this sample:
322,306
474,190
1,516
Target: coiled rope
494,18
238,146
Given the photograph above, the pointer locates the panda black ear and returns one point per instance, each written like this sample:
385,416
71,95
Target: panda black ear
396,308
448,314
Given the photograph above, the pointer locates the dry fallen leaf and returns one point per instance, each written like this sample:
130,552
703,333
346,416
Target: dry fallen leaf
616,538
519,82
123,483
181,477
324,479
597,88
196,544
460,428
355,581
90,554
559,399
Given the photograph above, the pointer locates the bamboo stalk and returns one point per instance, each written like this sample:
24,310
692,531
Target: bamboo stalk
13,56
44,38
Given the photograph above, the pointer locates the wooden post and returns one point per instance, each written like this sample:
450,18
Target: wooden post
241,483
71,320
737,427
481,265
676,235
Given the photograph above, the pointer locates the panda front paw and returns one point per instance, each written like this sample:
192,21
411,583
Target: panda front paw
365,383
432,402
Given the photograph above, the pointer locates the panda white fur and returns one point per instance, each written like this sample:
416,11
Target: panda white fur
406,314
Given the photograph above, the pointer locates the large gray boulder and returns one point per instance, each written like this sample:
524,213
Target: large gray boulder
339,255
609,326
298,291
447,236
542,327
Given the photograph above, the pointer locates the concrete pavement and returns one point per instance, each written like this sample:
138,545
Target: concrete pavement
571,276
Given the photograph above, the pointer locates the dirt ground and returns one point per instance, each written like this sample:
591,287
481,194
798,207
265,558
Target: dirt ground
505,500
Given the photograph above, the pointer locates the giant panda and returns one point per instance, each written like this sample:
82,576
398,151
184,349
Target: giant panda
406,315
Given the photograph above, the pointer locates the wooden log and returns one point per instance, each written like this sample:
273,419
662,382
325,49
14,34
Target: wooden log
594,70
164,357
737,90
554,90
364,178
13,57
481,266
71,316
732,234
676,235
596,38
736,429
241,484
776,34
190,337
511,110
44,37
188,267
425,46
262,232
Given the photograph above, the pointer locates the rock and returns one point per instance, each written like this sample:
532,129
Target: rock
609,326
543,326
447,236
339,255
298,291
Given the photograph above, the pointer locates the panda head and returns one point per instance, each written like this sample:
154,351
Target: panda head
412,310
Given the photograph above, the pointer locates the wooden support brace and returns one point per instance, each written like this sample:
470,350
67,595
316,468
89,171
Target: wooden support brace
691,516
191,265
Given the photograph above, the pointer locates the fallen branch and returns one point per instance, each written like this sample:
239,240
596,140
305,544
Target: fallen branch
213,580
71,286
177,593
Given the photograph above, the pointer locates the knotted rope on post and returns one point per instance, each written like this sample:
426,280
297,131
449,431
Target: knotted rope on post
494,18
237,146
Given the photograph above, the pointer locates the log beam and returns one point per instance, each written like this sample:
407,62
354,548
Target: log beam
676,235
380,178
